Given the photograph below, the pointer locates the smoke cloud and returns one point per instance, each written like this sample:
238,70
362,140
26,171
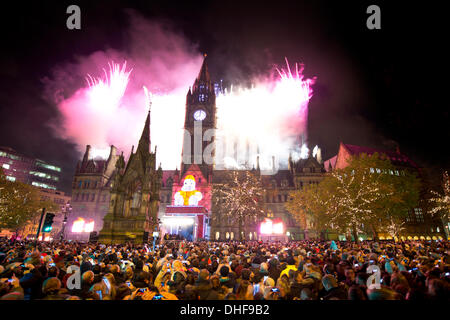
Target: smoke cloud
101,102
158,58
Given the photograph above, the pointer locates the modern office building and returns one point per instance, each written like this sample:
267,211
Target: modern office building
36,172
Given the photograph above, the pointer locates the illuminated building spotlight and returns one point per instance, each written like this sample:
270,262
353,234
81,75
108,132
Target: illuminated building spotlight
269,226
177,221
80,225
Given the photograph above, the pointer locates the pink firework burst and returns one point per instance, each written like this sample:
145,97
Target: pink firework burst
107,92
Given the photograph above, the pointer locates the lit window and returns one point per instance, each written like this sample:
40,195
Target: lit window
48,166
43,185
5,166
419,214
10,178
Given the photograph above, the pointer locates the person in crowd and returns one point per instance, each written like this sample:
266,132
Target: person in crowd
52,290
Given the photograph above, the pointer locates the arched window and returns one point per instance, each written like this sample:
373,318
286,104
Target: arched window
136,203
227,235
232,235
169,182
217,235
250,236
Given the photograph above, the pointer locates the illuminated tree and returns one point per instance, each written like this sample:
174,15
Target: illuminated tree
363,197
239,198
308,204
19,204
395,226
441,202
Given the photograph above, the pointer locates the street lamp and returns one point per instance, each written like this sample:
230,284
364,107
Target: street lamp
156,232
67,209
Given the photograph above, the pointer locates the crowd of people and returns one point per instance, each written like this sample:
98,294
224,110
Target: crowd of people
181,270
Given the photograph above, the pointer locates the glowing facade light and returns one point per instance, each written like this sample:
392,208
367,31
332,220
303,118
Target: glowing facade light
80,225
270,227
177,221
89,226
266,226
278,228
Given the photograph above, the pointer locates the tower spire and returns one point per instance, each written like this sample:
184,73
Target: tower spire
145,142
203,75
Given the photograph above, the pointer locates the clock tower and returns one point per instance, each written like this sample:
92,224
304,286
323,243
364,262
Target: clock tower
198,124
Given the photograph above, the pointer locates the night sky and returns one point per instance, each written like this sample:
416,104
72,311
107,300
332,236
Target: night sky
376,88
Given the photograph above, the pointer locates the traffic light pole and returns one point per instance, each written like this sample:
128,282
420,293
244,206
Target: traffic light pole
39,228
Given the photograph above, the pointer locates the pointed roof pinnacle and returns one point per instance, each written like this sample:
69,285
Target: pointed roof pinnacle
144,142
203,75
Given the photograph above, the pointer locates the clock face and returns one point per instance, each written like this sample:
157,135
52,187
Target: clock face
199,115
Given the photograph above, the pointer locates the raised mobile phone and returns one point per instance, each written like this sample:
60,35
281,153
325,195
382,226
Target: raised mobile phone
108,285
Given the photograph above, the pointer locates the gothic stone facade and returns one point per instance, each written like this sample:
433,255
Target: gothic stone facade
135,194
91,192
